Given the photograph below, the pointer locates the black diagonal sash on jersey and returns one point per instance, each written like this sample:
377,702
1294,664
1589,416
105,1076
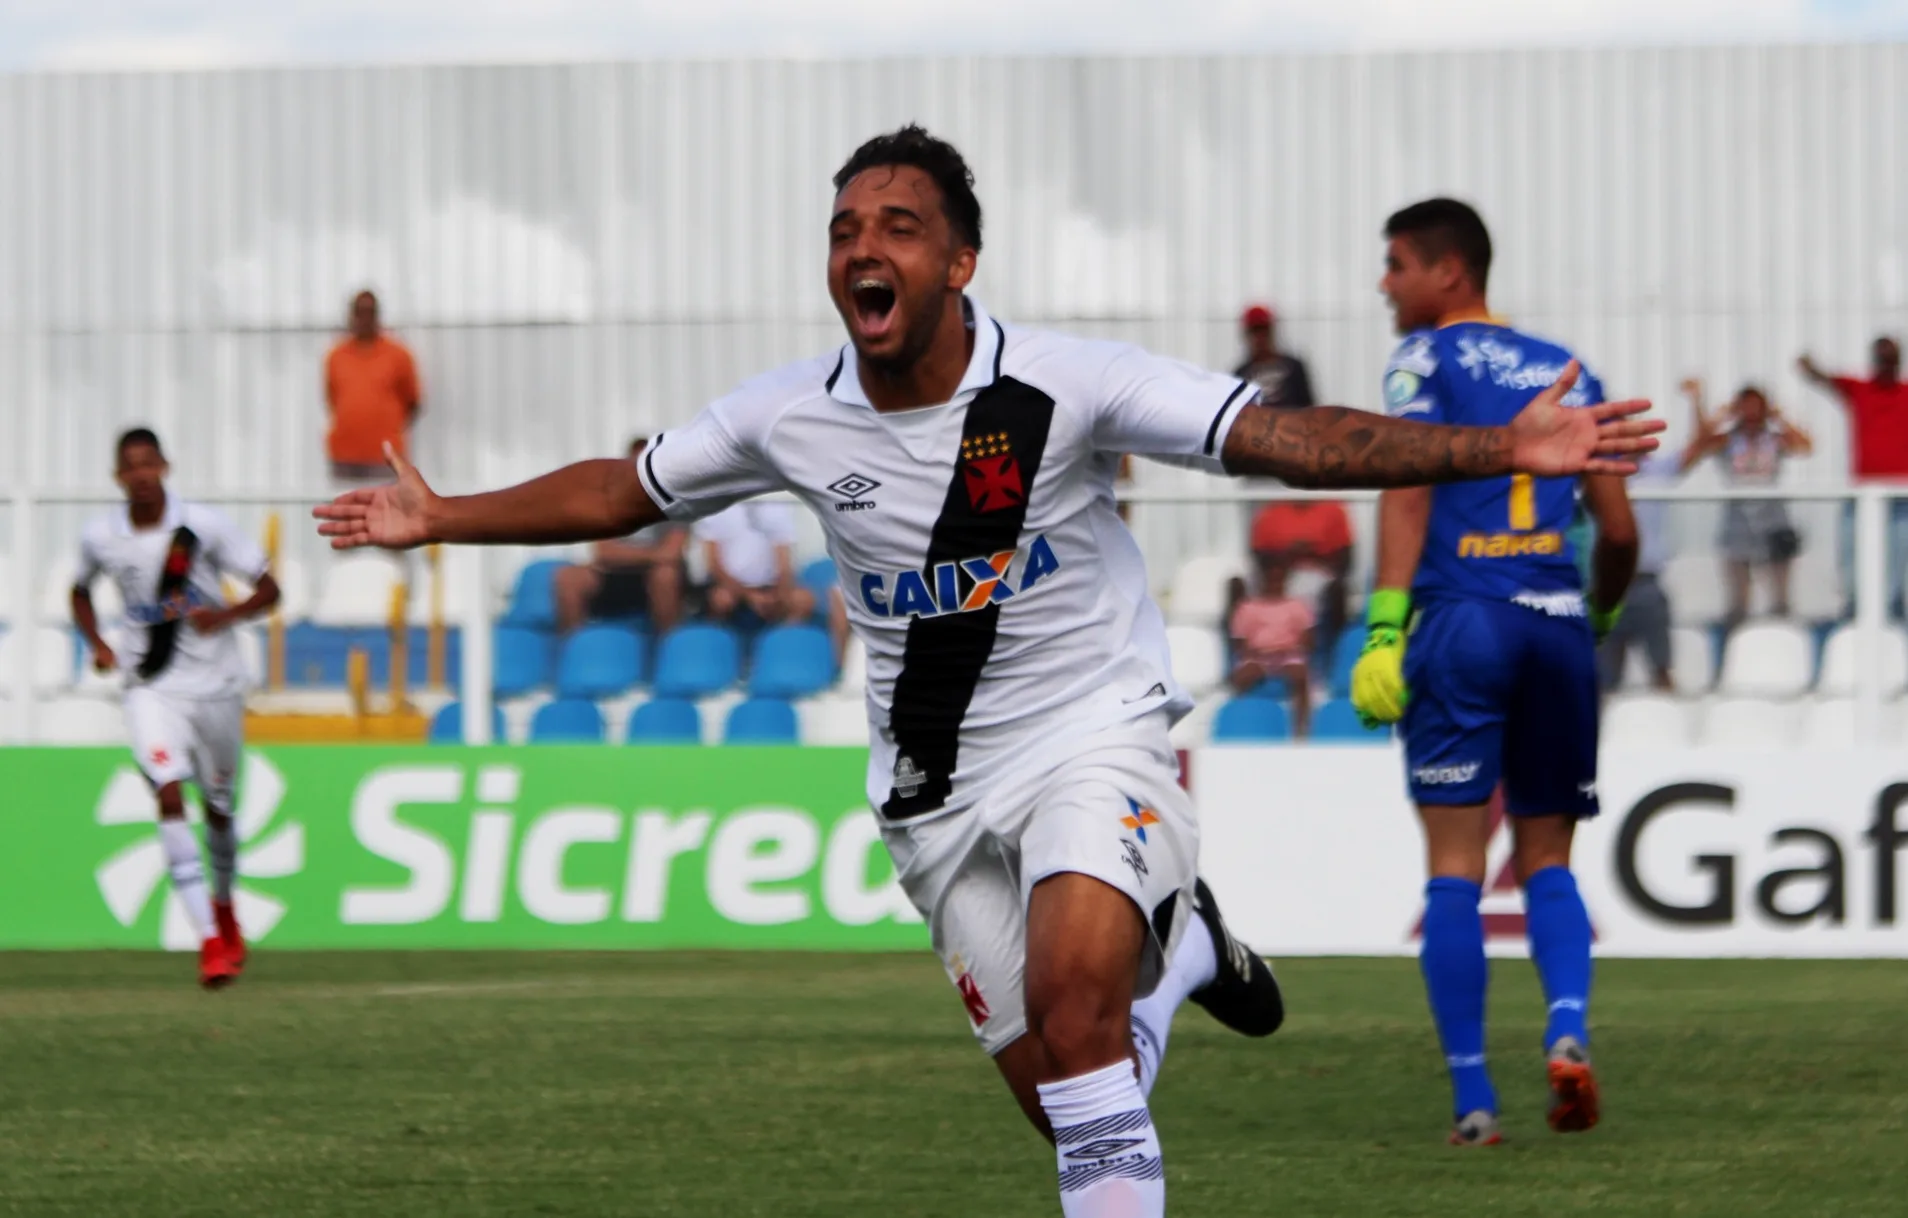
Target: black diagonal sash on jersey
163,636
942,662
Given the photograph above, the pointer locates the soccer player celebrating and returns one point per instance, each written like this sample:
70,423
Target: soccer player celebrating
1501,666
185,679
1019,689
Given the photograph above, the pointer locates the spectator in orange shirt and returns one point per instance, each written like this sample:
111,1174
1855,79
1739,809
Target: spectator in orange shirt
371,395
1315,533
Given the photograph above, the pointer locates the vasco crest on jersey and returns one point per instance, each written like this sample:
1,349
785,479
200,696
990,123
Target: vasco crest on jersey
991,473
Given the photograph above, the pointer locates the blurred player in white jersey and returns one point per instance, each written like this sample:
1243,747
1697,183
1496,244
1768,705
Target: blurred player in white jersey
184,676
1019,693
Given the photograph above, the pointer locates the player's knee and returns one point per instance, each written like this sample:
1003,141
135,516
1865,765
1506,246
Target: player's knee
1081,1029
172,802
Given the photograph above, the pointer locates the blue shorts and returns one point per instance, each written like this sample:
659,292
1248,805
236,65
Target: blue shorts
1501,692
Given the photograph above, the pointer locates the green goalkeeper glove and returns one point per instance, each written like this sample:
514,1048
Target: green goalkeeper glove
1378,690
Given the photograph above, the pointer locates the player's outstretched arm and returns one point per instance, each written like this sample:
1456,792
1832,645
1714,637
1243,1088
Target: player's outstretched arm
586,501
1331,446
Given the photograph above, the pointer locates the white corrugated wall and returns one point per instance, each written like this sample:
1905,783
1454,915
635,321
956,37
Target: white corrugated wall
581,252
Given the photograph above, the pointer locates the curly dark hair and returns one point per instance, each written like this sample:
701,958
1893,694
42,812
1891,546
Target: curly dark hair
137,435
937,158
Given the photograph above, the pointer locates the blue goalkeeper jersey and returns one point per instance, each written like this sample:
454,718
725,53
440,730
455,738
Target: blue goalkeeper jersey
1503,539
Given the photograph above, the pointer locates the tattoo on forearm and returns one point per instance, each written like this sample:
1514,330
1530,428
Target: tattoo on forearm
1332,446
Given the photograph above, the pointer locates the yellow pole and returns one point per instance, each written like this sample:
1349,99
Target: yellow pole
275,623
434,660
400,648
358,682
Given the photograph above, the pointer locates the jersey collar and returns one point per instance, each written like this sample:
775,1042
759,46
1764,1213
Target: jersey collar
168,521
1482,317
983,366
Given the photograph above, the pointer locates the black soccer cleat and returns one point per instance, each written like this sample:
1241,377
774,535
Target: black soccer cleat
1244,995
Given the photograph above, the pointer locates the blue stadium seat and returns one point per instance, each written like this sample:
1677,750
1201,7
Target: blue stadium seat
1252,719
696,660
600,662
533,598
1272,688
792,662
447,725
567,721
520,662
1337,721
665,721
761,721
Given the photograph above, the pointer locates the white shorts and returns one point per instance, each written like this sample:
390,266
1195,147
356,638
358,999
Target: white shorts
1113,809
178,739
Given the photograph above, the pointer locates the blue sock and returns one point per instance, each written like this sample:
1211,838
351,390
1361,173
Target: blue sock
1560,948
1455,976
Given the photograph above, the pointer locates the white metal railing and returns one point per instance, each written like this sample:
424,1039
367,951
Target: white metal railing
1871,571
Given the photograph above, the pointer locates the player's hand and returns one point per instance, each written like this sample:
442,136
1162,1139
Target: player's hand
103,658
206,620
1551,440
1378,691
1692,387
393,517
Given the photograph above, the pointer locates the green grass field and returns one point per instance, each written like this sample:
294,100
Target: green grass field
536,1084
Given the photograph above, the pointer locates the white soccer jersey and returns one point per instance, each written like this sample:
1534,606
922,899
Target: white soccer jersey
208,546
1002,602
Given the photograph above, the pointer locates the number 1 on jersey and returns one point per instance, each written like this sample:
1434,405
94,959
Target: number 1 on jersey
1523,503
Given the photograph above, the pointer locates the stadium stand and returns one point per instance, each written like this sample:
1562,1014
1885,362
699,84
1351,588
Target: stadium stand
1252,719
834,719
664,721
695,660
567,721
791,662
1645,721
49,652
533,596
1336,721
762,721
1750,723
447,725
521,662
1841,654
600,661
1767,659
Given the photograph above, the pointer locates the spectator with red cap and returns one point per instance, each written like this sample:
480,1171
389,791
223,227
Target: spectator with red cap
1281,378
1878,443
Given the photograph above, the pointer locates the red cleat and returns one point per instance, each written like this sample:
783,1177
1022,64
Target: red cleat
215,965
1574,1103
227,920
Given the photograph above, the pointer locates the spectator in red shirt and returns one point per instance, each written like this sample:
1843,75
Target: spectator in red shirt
1878,445
1314,533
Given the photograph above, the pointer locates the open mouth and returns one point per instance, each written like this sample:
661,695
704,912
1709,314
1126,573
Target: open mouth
874,301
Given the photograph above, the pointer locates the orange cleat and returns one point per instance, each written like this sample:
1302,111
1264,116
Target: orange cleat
216,969
227,920
1573,1088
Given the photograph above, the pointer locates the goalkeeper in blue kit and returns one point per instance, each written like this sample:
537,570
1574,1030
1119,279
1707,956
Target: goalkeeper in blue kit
1481,641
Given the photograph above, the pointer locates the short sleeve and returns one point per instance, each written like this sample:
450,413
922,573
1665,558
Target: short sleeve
408,386
90,563
1588,391
1411,382
230,551
1159,407
706,465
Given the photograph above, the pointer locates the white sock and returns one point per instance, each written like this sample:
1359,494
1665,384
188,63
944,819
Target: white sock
1110,1165
188,873
1192,966
221,846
